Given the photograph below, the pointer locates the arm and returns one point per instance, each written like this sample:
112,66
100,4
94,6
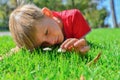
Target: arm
79,29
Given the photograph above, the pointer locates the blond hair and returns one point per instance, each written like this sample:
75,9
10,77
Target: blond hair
22,25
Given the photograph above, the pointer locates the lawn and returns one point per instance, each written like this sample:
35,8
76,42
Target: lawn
51,65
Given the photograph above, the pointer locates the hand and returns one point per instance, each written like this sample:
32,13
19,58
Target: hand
12,51
16,49
79,45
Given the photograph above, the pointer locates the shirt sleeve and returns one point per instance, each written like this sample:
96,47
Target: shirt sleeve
80,25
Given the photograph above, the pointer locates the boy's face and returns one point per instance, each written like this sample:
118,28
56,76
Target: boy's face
48,32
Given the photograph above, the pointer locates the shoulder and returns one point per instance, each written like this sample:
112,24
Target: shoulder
67,13
71,12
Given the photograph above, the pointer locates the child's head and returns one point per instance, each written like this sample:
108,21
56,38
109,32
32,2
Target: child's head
31,27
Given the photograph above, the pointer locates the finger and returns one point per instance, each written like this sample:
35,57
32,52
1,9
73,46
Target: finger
80,43
62,45
84,49
70,43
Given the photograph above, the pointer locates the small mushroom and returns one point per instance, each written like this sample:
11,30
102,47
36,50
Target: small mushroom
61,50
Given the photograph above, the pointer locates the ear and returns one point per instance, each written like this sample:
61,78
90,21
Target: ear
47,12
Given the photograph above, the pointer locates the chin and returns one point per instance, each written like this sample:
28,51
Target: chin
62,40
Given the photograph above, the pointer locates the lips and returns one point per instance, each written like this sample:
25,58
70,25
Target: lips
57,40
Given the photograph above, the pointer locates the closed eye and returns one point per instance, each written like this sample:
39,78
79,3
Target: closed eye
46,32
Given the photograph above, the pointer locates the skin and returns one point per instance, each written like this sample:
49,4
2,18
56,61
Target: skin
51,31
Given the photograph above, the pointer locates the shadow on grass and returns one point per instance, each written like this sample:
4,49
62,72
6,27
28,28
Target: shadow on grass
65,55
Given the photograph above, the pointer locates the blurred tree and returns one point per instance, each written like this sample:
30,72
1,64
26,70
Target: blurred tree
3,13
89,9
5,9
51,4
113,14
73,3
96,17
22,2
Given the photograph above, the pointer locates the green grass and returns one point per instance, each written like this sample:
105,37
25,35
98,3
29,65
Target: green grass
51,65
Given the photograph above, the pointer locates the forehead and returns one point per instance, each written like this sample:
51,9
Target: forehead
39,34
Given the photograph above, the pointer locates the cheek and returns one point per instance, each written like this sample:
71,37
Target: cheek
57,29
54,29
39,39
38,42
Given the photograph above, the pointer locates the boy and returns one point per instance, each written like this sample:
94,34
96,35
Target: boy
32,27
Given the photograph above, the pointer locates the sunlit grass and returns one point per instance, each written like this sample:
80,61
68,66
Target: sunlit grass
51,65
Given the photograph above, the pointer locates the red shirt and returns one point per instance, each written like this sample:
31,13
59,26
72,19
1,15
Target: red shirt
74,24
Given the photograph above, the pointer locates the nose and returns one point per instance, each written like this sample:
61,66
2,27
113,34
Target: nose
48,42
51,41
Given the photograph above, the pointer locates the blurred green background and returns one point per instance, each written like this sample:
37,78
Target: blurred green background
94,16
